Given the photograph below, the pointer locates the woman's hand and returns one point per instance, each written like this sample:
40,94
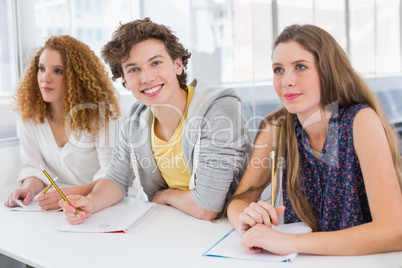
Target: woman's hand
259,213
30,186
49,200
24,194
261,237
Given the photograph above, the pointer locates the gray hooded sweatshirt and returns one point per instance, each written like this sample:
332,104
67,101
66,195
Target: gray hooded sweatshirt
215,143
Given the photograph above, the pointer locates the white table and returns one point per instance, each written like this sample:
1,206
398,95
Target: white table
166,238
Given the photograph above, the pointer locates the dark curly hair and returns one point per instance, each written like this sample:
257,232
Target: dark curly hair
85,82
118,49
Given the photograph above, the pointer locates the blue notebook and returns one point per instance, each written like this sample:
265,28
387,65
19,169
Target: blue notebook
229,245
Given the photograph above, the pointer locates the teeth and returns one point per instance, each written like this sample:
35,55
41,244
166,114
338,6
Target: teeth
152,90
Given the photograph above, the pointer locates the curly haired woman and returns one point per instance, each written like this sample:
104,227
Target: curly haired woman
68,108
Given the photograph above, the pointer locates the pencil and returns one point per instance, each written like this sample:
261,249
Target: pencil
57,188
48,187
273,178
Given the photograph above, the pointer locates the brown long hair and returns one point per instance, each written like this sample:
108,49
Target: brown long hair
338,83
85,81
127,35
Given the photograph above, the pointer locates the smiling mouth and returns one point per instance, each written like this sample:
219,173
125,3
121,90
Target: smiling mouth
292,96
152,90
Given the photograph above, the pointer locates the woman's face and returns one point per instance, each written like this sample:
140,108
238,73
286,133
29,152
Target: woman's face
50,76
296,79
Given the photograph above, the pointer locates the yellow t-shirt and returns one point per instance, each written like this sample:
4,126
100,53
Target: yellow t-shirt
169,154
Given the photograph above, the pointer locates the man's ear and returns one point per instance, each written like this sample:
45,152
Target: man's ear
124,83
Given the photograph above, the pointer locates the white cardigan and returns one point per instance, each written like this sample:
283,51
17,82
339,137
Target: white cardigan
80,161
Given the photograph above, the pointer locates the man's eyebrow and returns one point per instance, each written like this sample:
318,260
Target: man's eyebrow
125,66
133,64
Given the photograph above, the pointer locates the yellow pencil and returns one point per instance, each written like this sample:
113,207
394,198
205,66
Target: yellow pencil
57,188
273,178
48,187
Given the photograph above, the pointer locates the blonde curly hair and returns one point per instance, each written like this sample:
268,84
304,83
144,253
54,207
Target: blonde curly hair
89,97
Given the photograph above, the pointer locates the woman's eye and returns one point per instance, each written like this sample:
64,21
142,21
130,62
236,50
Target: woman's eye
300,67
155,63
58,71
41,69
278,70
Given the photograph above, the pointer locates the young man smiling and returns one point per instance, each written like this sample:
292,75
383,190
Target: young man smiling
187,143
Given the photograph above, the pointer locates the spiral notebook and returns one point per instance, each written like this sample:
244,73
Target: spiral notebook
119,218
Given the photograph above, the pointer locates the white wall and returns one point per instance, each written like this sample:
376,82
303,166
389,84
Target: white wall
9,162
7,119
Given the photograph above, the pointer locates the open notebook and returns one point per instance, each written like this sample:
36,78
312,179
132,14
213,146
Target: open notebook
119,218
229,245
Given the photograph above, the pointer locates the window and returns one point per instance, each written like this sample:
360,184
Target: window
8,61
331,16
230,40
375,36
8,69
362,38
294,11
388,36
92,22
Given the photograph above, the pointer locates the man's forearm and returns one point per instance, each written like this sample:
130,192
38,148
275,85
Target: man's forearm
183,201
105,193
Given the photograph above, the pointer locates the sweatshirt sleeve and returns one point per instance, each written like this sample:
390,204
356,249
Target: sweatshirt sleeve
224,148
120,169
106,142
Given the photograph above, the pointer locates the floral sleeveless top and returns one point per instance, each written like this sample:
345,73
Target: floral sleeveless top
333,185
